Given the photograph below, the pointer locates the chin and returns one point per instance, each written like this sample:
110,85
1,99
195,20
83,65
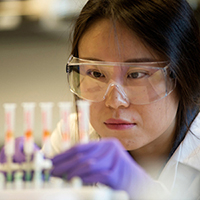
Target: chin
128,144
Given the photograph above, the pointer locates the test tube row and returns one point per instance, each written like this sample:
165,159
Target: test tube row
65,109
46,112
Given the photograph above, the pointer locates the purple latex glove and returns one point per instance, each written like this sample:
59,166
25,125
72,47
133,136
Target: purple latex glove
105,162
19,155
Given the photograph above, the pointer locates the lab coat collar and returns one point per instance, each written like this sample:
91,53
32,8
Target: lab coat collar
188,154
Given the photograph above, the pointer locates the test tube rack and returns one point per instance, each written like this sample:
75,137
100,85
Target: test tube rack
52,188
14,185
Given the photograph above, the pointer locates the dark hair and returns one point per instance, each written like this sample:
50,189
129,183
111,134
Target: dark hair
167,26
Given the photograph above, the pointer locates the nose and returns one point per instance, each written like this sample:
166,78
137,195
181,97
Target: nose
115,97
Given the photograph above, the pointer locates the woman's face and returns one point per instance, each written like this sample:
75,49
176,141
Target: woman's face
135,126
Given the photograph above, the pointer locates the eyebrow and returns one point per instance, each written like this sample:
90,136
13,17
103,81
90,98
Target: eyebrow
129,60
141,60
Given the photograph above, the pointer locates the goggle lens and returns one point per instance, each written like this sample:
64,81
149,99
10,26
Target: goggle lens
142,83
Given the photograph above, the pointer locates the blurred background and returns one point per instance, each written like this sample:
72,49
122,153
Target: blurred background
34,48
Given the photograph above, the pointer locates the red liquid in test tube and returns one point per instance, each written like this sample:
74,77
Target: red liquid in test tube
28,109
46,111
9,128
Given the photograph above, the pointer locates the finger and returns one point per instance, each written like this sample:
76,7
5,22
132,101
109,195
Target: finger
89,149
72,152
65,166
2,155
101,162
102,154
81,163
75,163
102,177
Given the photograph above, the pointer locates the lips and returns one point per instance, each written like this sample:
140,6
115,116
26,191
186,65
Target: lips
118,124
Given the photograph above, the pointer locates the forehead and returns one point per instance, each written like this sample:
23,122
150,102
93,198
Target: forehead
113,42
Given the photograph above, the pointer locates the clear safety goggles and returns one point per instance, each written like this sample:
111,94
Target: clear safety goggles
139,83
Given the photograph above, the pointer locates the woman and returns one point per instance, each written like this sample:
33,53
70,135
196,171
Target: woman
137,62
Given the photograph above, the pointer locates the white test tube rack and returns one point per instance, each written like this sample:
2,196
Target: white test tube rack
74,190
38,163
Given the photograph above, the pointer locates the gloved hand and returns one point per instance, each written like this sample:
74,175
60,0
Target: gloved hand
105,162
19,155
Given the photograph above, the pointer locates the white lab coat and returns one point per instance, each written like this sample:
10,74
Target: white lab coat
181,173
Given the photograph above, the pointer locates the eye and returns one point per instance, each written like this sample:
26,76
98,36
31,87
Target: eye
95,74
137,75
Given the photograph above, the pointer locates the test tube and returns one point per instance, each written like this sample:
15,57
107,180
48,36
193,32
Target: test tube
83,120
65,111
28,108
9,136
46,111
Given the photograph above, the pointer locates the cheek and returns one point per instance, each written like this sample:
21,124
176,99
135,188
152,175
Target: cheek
152,118
158,117
96,111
